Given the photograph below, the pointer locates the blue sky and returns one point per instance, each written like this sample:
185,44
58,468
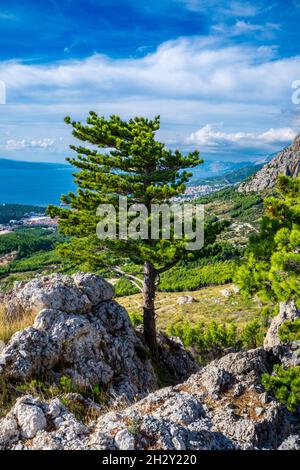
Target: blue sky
220,74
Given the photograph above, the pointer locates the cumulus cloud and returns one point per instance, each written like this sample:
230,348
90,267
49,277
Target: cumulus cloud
194,68
208,135
188,80
13,144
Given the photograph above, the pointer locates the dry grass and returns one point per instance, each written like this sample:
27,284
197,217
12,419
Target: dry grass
9,327
209,305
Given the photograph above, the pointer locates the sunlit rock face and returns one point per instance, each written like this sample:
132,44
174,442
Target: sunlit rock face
286,162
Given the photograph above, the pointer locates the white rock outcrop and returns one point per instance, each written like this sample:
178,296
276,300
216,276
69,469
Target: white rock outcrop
287,311
80,332
286,162
206,412
70,294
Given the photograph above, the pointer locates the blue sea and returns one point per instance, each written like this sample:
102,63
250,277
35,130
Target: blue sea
35,186
43,183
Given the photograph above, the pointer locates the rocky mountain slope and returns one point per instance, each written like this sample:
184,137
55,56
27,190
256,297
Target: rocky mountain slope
80,332
286,162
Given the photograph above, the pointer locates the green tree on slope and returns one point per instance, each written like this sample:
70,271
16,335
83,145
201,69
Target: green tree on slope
136,165
272,268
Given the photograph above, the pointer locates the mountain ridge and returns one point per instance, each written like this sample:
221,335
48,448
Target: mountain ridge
286,162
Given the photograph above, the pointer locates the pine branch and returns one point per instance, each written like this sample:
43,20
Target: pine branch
133,279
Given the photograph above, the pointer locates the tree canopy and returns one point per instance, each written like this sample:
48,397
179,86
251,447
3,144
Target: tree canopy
272,268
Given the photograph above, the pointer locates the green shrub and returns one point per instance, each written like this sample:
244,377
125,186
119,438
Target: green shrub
184,278
124,287
27,241
205,336
136,318
218,337
36,261
290,331
253,334
285,384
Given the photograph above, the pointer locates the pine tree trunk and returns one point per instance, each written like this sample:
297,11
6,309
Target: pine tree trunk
149,310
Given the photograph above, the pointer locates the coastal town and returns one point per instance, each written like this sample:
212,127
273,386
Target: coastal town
29,220
40,219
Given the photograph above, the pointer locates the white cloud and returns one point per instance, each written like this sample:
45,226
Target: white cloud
283,135
13,144
208,135
186,68
242,27
234,8
187,81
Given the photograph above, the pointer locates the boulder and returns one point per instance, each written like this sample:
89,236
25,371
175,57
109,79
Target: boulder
93,344
177,362
73,294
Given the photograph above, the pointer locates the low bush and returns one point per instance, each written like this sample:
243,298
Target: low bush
290,331
285,384
184,278
136,318
215,337
125,287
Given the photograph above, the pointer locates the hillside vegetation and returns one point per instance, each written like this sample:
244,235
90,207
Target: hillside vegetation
17,211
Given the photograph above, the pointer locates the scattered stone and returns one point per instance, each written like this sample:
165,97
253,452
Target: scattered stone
30,418
238,390
185,299
259,411
291,443
235,289
226,293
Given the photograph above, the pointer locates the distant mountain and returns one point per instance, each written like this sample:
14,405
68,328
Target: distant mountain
231,177
286,162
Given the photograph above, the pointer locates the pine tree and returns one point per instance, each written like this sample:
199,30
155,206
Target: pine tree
272,268
133,164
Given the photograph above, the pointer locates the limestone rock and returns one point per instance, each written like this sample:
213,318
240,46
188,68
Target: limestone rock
226,293
287,311
185,299
291,443
124,440
286,162
97,347
30,418
202,413
73,294
175,359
